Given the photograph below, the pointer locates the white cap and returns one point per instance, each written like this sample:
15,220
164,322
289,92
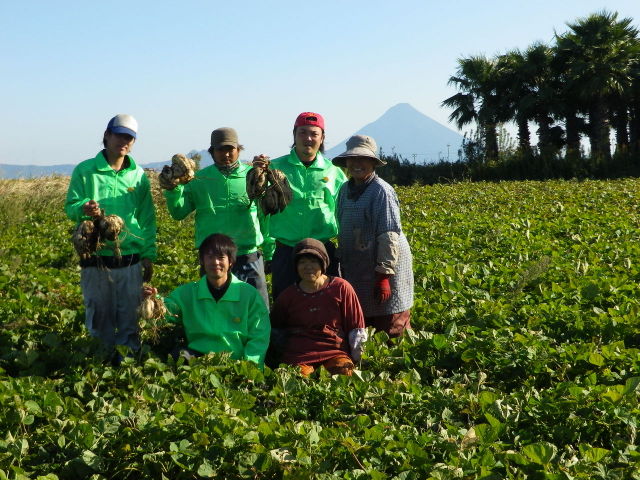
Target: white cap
123,123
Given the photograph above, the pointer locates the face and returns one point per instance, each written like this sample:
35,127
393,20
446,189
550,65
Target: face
309,268
216,266
360,168
118,144
308,139
226,155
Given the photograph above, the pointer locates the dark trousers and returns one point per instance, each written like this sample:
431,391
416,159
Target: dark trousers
283,272
250,268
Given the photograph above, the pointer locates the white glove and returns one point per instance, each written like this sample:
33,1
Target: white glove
357,337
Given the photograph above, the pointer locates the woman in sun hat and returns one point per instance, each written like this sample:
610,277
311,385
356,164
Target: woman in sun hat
374,252
317,321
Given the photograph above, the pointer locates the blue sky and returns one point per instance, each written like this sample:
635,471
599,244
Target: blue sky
186,67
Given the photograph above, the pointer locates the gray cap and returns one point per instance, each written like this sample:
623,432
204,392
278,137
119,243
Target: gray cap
359,146
221,137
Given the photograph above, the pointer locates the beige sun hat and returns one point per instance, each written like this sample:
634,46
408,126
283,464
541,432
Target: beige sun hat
359,146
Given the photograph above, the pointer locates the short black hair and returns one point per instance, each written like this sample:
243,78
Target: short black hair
218,244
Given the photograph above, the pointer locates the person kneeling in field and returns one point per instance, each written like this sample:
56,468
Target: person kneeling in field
219,313
318,320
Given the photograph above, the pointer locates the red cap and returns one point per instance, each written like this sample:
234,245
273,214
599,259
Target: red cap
309,118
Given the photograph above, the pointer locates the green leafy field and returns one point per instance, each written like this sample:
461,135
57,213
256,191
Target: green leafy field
524,361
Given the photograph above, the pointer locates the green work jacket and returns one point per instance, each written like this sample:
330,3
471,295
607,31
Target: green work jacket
221,205
238,323
126,193
311,212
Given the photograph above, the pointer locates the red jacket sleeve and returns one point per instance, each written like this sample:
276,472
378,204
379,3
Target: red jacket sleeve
352,316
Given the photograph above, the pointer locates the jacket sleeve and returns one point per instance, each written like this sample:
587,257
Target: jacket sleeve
174,310
147,221
76,197
387,229
332,197
179,202
352,316
259,331
268,243
387,252
341,179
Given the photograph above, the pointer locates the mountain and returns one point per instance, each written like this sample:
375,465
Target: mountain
9,171
31,171
402,130
405,131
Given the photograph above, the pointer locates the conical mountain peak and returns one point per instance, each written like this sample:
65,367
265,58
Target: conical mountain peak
411,134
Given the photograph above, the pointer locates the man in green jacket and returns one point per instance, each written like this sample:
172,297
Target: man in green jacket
218,194
219,312
315,183
114,183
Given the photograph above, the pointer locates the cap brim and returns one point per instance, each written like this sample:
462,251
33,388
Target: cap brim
124,130
341,160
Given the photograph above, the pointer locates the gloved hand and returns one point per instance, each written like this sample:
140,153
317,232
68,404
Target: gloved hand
382,287
165,178
357,337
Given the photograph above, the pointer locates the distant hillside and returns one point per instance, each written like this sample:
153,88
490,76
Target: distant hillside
404,130
9,171
32,171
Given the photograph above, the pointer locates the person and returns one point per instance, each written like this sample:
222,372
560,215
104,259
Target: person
315,183
112,183
218,195
374,252
318,320
219,313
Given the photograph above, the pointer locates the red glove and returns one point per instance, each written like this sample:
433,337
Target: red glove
382,287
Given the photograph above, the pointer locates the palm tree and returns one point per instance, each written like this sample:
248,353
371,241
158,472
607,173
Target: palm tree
569,104
634,108
529,88
596,56
546,98
516,91
477,100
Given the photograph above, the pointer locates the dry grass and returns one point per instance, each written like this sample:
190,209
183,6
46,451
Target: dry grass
156,190
35,189
54,188
17,196
27,195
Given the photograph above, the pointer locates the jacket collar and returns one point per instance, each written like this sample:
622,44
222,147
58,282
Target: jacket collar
236,172
231,295
320,162
103,166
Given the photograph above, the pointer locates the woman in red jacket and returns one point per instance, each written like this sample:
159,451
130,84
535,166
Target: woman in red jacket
318,320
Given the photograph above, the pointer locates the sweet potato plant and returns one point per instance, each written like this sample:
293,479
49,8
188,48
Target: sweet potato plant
523,362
